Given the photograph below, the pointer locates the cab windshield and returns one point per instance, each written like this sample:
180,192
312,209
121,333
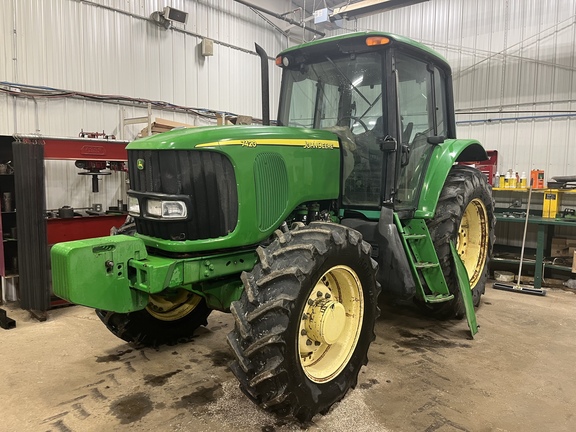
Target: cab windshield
344,95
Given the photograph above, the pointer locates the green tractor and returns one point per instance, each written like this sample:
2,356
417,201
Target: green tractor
296,228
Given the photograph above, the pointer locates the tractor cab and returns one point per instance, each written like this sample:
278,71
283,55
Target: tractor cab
387,99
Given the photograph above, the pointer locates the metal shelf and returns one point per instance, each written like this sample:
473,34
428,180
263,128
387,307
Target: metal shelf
531,263
525,190
537,220
544,236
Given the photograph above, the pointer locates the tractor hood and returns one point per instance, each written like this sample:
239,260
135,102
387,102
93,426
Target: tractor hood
239,183
243,136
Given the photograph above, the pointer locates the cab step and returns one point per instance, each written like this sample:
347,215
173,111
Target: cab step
439,298
425,265
414,236
423,261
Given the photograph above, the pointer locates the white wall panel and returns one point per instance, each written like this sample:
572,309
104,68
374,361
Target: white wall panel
507,56
109,47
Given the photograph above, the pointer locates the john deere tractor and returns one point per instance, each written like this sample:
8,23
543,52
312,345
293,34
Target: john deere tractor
296,228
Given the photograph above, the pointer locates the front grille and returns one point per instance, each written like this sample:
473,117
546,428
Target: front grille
206,177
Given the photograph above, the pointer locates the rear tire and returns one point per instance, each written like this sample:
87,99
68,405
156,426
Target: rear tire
464,215
306,319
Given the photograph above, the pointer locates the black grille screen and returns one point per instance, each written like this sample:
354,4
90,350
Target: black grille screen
206,177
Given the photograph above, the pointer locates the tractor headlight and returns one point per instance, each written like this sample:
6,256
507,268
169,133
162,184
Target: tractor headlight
166,209
174,209
133,206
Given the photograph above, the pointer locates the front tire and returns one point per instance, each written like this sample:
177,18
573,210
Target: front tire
306,319
167,320
464,215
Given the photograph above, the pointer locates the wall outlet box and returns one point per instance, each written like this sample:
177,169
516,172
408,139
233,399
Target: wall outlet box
207,47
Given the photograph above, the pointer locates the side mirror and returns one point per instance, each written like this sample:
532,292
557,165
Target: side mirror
405,155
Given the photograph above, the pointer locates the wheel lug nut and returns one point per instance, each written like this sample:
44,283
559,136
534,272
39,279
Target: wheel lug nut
308,342
310,302
327,295
319,294
317,343
303,332
304,317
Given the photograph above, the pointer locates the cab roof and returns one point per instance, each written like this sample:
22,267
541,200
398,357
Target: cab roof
342,42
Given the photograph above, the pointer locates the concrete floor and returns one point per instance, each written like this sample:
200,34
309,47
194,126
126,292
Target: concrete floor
70,374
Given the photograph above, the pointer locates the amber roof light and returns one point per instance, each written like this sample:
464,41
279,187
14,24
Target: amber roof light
377,40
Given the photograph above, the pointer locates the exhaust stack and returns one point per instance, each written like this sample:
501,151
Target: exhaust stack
265,85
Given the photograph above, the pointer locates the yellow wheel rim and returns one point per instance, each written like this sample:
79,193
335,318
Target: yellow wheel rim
472,244
172,306
330,324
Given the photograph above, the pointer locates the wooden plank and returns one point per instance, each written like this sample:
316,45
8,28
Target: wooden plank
170,123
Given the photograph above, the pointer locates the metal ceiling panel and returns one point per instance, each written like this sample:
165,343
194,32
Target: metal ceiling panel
369,7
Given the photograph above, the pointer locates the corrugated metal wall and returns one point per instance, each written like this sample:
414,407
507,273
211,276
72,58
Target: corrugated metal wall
514,73
109,47
513,64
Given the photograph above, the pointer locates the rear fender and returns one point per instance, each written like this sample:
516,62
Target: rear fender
443,157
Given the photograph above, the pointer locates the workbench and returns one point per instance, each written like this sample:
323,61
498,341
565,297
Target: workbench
544,235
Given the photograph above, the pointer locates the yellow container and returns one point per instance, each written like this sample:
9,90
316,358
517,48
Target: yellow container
551,203
523,181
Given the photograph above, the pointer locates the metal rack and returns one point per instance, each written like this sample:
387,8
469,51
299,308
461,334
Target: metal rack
544,235
35,233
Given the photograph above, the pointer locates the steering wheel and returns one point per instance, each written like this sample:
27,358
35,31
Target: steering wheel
356,119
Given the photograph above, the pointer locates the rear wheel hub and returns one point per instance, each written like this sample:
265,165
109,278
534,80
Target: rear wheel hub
472,244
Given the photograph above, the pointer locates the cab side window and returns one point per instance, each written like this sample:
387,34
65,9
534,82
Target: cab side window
415,96
418,120
440,103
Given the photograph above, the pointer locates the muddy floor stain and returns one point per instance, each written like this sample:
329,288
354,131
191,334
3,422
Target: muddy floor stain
131,408
159,380
112,357
220,358
369,384
202,395
419,342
